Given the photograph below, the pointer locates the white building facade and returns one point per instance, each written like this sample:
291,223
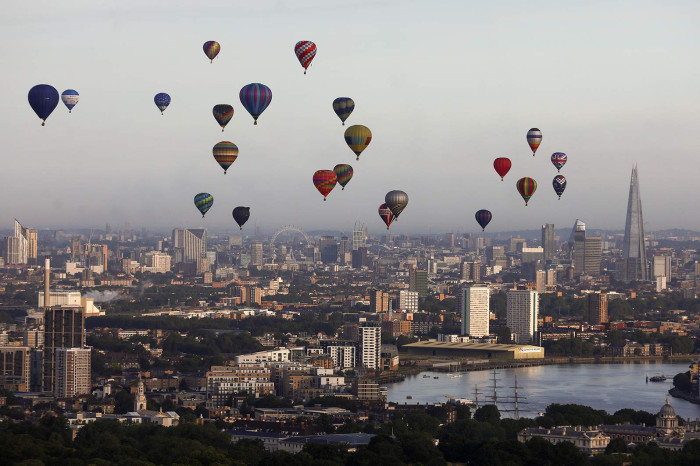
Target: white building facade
522,311
473,306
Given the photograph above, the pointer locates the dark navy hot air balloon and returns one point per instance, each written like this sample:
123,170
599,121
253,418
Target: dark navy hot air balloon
241,215
483,217
222,114
43,100
255,97
559,184
343,107
162,100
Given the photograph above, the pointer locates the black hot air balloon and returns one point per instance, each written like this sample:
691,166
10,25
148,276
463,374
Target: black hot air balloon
241,215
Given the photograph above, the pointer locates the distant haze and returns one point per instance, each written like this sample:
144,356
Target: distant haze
444,86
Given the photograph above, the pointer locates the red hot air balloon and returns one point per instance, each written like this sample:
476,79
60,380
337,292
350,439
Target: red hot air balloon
325,181
502,166
526,187
386,215
306,51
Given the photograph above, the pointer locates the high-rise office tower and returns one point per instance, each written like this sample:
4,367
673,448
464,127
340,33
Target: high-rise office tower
662,267
64,327
32,245
76,248
370,340
15,249
597,308
15,374
548,241
359,258
578,240
359,238
593,250
473,306
329,249
256,253
418,281
634,252
72,372
191,244
522,308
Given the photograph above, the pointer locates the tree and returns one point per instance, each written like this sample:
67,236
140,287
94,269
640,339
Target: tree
616,445
488,413
682,381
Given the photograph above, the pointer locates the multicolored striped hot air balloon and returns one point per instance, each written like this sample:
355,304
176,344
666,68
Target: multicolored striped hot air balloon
325,181
358,138
203,202
211,49
162,100
526,187
483,217
43,99
225,152
534,138
386,215
70,98
396,201
241,215
343,107
559,184
255,97
558,160
502,166
222,114
306,51
344,173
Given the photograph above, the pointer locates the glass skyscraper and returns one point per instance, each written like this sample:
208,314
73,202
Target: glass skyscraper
634,265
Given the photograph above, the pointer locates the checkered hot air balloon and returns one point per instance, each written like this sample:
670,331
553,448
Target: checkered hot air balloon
559,184
306,51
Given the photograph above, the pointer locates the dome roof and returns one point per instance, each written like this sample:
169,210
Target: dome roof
667,410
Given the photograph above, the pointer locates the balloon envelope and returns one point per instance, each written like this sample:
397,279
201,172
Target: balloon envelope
162,101
534,138
306,51
386,215
558,160
526,187
255,97
502,166
203,202
225,152
211,49
344,173
325,181
483,217
222,114
43,100
396,201
559,184
358,138
241,215
343,107
70,98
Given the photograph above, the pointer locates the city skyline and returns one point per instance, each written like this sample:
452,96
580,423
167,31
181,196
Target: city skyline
153,164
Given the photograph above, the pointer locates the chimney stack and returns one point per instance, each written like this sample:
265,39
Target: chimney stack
47,277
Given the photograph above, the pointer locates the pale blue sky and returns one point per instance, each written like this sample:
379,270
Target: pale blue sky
445,86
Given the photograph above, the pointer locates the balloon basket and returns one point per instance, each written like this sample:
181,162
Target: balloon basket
43,123
255,123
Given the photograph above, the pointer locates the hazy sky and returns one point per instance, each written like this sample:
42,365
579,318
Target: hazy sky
445,87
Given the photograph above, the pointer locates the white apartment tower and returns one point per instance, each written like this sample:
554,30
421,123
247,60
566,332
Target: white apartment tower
522,310
370,339
408,301
473,306
72,366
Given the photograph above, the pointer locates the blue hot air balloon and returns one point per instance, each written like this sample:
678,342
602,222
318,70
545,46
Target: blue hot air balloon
559,184
43,100
162,101
70,98
203,202
255,98
483,217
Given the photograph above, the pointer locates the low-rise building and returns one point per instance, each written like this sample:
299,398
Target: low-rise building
589,440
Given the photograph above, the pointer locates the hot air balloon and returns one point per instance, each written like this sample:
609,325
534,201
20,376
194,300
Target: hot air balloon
534,138
203,202
344,173
43,100
358,138
225,153
526,187
558,160
483,217
70,98
396,201
255,97
222,114
325,181
306,51
162,101
211,49
502,166
343,107
559,183
241,215
386,215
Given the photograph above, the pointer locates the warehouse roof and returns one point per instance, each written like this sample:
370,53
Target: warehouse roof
470,346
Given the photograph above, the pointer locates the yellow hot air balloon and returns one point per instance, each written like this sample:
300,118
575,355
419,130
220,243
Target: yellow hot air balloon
358,138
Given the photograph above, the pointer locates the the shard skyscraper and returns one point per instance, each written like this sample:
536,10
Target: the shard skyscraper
634,266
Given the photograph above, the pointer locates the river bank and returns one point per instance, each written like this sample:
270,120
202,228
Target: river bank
676,393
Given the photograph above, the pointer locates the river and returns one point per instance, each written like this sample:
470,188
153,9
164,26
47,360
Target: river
602,386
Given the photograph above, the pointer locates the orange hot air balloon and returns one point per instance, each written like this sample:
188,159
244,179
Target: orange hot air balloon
325,181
